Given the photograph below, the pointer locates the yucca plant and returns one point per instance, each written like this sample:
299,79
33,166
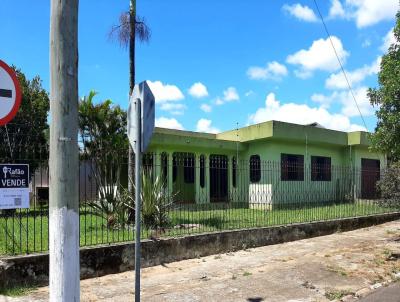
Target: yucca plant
156,201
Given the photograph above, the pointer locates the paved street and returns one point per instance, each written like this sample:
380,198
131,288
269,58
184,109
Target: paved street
385,294
317,269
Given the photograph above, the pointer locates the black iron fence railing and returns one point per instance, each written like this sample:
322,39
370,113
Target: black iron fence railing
186,194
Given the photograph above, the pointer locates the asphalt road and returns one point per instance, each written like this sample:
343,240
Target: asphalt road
385,294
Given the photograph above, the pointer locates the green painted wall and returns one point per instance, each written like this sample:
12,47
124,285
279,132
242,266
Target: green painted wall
269,140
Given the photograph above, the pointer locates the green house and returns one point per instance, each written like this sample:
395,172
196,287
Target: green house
266,164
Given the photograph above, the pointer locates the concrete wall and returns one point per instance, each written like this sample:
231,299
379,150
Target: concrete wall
101,260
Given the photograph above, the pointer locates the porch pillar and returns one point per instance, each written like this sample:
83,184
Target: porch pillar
157,164
197,187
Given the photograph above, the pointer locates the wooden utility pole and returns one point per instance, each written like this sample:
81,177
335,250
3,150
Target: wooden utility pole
64,155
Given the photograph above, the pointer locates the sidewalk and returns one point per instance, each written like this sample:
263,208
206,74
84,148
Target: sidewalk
317,269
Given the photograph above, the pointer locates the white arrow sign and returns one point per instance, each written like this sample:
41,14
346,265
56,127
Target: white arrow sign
142,92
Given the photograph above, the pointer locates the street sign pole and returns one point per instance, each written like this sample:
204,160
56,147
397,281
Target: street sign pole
137,150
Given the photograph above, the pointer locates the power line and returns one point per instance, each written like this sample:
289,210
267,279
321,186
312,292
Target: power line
340,63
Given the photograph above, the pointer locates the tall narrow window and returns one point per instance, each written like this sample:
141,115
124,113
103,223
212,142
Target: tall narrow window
174,168
234,172
147,164
188,168
202,170
164,167
255,168
292,167
320,168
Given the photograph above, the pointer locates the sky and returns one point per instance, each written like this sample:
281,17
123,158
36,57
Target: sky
213,65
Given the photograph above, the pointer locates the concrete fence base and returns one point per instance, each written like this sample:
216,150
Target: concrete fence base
108,259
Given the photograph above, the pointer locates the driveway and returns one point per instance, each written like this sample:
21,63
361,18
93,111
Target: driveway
318,269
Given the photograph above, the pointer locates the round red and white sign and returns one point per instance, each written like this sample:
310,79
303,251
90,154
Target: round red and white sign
10,94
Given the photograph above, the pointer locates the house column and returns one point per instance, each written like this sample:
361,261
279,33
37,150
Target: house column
157,164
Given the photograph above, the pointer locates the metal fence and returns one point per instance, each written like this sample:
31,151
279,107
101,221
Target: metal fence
184,194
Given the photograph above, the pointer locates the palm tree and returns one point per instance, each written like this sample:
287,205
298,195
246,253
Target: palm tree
129,28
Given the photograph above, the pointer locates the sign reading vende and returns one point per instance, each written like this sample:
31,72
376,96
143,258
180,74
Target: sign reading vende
14,186
10,94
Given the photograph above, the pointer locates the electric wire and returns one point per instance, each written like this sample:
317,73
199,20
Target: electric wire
340,63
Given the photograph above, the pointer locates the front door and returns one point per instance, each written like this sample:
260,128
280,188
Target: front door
370,174
218,178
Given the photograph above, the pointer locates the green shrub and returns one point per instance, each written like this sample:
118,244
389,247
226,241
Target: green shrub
389,186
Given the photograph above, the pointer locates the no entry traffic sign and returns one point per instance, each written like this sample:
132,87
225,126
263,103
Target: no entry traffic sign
10,94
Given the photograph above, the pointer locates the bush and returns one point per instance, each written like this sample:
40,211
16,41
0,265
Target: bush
156,202
389,186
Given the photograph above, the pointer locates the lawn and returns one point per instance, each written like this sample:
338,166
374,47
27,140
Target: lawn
27,230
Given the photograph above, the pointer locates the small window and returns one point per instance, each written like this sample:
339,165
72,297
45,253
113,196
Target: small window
320,168
255,168
292,167
188,168
234,172
202,171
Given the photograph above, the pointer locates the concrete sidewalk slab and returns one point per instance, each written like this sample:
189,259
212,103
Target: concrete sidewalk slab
317,269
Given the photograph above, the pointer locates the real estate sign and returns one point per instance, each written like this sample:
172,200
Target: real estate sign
14,186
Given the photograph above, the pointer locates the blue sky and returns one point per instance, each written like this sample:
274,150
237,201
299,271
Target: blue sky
213,64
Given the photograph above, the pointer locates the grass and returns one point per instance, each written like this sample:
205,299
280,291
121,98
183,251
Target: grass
337,294
17,290
27,230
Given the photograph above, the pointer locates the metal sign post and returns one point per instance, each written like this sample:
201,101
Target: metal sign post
137,148
140,131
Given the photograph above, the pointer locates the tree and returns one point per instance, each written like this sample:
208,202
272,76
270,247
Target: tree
387,99
102,128
25,138
129,28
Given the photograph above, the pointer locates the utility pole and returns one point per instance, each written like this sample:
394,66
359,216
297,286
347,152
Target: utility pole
64,153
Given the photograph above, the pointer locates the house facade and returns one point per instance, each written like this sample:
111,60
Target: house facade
266,164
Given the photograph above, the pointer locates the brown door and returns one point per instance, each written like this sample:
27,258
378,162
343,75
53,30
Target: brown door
370,174
218,178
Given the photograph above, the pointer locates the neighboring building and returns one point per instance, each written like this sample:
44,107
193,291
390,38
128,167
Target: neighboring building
268,163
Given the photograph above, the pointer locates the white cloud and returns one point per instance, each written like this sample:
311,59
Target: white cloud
388,40
336,10
320,56
349,107
204,125
198,90
346,101
219,101
273,70
301,114
249,93
370,12
338,81
231,94
364,12
165,92
366,43
170,123
173,108
206,107
301,12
